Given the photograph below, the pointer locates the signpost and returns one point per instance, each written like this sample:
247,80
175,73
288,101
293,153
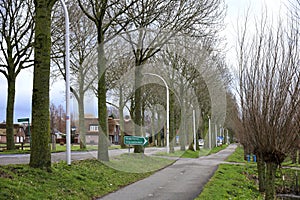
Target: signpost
23,120
26,120
136,140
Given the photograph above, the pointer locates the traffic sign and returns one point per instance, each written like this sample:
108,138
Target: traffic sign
23,120
136,140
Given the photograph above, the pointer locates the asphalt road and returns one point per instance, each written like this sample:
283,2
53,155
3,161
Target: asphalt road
56,157
184,180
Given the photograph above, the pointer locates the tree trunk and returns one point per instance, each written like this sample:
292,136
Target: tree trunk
11,82
182,132
102,110
159,133
197,137
182,137
191,137
172,131
270,180
138,107
121,106
40,156
294,156
261,169
153,127
82,130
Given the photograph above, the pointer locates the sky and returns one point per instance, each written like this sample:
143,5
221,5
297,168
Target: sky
235,14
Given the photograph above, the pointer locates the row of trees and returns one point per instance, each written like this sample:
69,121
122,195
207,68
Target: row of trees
269,95
120,38
122,42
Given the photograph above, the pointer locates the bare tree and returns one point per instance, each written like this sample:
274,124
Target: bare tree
16,33
269,95
119,87
155,23
57,118
107,16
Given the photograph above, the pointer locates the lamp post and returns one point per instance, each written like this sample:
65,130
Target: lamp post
194,127
67,63
168,109
209,132
216,132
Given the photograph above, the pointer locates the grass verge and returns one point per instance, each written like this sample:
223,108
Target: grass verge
193,154
237,156
240,180
218,148
231,182
82,180
138,163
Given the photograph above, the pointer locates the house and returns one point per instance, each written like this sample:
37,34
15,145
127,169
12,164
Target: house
21,133
91,125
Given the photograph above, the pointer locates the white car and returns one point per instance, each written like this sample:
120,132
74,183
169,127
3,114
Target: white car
201,142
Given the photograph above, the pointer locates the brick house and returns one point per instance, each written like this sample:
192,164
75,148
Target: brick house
91,125
20,133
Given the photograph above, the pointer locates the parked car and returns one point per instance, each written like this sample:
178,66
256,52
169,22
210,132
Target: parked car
201,142
220,140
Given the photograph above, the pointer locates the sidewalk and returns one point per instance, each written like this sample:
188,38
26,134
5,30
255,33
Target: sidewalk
184,180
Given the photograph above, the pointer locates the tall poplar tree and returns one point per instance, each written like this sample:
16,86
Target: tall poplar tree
105,14
40,156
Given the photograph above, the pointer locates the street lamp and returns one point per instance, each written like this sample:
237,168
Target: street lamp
168,109
216,132
209,132
67,63
194,127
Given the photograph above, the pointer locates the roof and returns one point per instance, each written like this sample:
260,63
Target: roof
17,130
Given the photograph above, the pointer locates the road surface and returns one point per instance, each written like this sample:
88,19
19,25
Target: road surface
75,155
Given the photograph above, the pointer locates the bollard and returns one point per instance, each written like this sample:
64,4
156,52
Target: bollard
248,158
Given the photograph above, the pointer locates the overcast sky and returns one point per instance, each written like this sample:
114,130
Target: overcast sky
235,13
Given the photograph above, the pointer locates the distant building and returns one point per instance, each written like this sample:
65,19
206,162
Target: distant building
91,125
21,133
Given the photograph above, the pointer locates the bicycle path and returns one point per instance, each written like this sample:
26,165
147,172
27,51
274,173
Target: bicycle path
184,180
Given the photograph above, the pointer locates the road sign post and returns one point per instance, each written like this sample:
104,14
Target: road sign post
23,120
136,140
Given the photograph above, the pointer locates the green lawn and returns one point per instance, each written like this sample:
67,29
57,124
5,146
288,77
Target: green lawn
237,156
192,154
82,180
239,181
217,149
233,181
138,163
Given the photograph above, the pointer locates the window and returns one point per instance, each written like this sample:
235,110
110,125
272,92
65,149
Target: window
93,127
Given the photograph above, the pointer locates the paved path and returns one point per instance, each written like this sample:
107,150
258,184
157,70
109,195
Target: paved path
184,180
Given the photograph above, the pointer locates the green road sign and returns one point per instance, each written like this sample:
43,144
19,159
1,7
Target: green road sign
23,120
136,140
